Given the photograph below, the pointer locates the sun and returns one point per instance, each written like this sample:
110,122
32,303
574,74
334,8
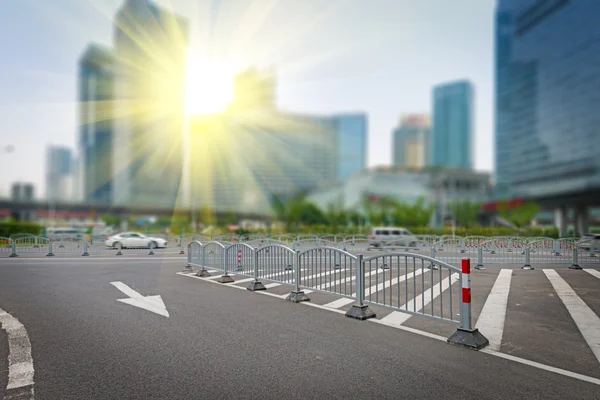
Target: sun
209,88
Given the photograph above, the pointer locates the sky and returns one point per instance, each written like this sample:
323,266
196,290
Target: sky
381,57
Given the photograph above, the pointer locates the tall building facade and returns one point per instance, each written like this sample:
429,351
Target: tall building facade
452,132
96,128
243,162
149,89
410,141
547,98
351,144
59,174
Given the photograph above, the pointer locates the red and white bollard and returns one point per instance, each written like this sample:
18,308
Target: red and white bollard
465,335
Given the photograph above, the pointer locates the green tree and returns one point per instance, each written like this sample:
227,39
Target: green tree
111,220
466,212
520,216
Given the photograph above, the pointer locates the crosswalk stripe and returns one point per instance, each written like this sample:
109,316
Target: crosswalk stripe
586,320
339,303
393,282
492,317
593,272
272,285
397,318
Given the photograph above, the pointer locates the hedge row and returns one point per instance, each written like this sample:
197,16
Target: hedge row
13,227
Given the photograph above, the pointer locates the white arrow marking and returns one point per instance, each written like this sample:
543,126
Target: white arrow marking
153,304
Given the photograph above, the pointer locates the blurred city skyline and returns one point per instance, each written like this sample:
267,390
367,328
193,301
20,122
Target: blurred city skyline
382,59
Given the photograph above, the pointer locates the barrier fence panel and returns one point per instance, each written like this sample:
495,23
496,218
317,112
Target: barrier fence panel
5,245
588,250
195,254
213,255
332,238
72,245
31,244
353,245
240,259
544,251
276,263
406,282
499,251
328,269
303,244
449,249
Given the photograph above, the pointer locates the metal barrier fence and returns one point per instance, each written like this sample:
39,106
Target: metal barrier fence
413,283
405,282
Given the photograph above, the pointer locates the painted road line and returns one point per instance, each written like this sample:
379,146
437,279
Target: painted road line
339,303
272,285
593,272
586,320
492,317
283,296
20,362
397,318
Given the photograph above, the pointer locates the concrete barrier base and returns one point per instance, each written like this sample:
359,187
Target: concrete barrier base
575,266
297,297
225,279
203,273
360,312
256,285
468,338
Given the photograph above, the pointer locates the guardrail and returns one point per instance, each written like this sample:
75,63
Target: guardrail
486,251
402,281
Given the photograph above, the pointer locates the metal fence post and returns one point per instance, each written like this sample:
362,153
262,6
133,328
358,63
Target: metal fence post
225,278
50,253
13,247
85,249
462,246
479,265
256,284
527,264
203,272
556,248
297,294
360,310
119,248
181,251
575,263
465,335
432,255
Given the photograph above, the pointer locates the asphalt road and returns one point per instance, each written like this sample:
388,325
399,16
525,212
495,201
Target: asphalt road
220,343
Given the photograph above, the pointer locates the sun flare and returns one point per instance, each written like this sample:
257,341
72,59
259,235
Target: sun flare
209,88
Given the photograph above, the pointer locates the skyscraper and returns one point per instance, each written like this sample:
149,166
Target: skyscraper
150,71
59,174
547,97
452,133
351,144
410,141
96,131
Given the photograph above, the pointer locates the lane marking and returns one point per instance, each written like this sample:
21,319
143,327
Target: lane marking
593,272
20,362
491,352
493,315
397,318
153,303
586,320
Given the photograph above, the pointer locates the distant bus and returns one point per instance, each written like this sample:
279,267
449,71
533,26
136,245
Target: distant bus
62,233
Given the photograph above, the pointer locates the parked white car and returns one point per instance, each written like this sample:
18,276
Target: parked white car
135,240
385,236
